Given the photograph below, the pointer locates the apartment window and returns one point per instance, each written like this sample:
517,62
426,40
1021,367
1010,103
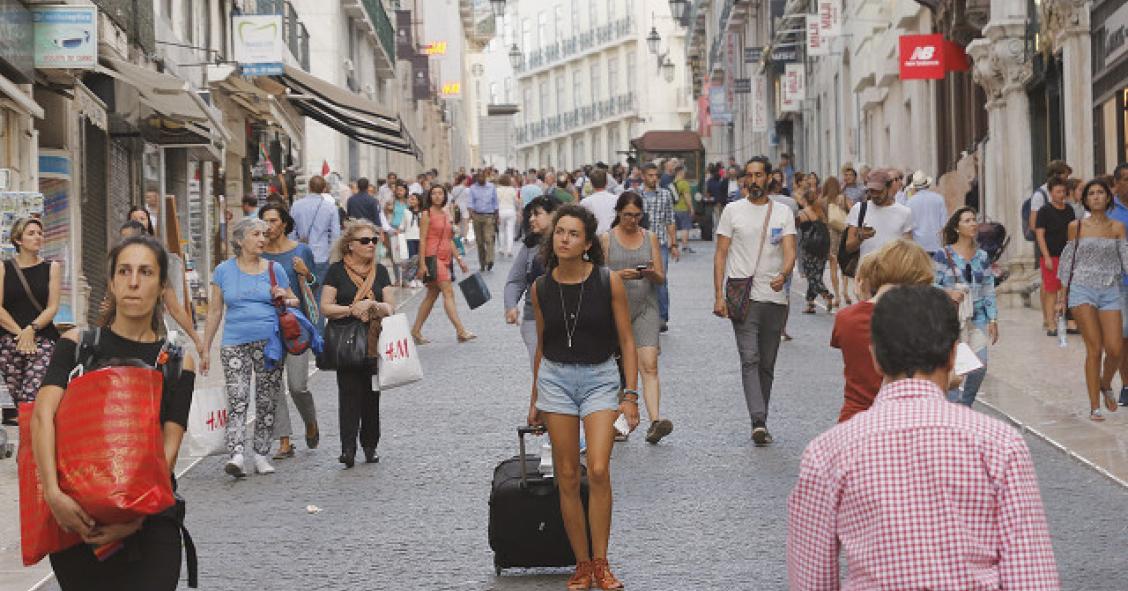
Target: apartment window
508,31
578,152
508,91
596,143
595,76
561,93
612,13
613,141
630,9
577,89
631,58
544,99
558,22
495,98
526,103
526,35
593,14
561,156
612,74
542,29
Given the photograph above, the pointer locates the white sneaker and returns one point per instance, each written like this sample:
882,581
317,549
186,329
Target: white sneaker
234,466
262,466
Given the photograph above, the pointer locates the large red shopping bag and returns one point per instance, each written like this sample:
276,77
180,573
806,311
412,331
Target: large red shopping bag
40,534
108,444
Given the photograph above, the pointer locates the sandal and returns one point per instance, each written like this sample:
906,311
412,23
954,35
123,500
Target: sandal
602,577
1096,415
581,579
1110,400
465,336
285,453
418,337
810,309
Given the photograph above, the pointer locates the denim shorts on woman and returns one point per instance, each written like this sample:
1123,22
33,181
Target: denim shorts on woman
577,389
1104,299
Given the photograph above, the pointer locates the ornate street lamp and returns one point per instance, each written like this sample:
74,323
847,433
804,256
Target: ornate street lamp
678,9
652,40
515,57
668,69
498,7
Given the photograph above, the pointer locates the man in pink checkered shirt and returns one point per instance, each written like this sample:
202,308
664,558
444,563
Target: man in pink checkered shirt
917,492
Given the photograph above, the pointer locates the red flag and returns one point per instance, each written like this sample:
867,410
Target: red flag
324,168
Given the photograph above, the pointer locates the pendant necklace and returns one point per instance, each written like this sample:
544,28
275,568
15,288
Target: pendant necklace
574,316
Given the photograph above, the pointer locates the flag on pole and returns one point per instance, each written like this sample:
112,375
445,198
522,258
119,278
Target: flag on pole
264,158
324,168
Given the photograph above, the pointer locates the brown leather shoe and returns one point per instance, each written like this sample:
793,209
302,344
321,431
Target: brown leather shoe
602,577
581,579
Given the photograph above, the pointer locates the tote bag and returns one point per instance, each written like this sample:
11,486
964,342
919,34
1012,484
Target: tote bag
399,359
207,423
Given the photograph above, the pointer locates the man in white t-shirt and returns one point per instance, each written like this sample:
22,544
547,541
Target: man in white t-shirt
930,212
738,258
885,219
602,202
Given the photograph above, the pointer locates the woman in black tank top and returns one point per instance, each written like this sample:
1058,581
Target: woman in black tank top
27,312
582,320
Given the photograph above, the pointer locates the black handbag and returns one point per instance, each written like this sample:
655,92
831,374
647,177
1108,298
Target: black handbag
346,346
847,260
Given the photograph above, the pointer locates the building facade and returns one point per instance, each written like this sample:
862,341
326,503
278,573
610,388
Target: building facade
588,82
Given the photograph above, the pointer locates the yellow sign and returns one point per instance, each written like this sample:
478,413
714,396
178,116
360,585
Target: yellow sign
452,88
436,48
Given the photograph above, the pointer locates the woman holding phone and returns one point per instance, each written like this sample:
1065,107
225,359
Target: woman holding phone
634,254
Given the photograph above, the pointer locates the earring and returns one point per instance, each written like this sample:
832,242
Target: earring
586,256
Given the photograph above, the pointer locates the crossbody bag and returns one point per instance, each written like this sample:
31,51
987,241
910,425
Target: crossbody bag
738,291
27,287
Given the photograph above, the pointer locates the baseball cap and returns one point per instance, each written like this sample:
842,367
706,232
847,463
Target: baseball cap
877,180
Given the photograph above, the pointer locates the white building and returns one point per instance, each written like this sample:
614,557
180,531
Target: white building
587,81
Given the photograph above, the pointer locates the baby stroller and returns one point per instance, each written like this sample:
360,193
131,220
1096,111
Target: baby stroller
993,240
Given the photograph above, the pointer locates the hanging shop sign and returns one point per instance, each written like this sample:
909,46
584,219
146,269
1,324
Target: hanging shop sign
259,46
420,77
793,86
753,55
1116,35
704,124
66,37
830,17
436,48
719,113
742,85
785,54
405,42
816,42
930,57
759,104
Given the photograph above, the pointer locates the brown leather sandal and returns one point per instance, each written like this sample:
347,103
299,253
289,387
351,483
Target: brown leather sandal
581,579
602,577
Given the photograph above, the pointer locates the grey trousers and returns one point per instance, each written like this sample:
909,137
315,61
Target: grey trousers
297,380
757,340
529,335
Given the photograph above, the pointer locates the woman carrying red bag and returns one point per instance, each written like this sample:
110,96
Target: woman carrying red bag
151,555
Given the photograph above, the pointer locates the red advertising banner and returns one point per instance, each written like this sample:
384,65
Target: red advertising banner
930,57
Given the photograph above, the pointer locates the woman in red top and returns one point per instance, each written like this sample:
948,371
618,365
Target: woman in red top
900,262
437,249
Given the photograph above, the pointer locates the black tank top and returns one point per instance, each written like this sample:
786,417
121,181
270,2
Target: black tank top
594,339
16,301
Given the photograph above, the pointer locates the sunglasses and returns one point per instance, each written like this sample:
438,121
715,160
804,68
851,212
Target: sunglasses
366,240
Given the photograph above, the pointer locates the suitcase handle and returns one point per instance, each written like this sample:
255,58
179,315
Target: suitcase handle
522,431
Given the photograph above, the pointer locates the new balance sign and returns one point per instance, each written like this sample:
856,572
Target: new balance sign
930,57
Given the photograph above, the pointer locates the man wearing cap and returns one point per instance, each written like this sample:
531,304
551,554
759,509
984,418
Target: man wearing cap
930,212
885,220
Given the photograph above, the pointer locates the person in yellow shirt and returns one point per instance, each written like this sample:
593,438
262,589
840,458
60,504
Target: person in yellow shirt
683,207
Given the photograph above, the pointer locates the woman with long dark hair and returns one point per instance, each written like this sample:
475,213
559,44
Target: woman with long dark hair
30,288
1093,264
139,214
634,254
964,271
582,315
814,248
438,253
152,554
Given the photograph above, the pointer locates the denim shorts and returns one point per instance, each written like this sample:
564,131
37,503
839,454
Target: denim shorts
683,220
577,389
1104,299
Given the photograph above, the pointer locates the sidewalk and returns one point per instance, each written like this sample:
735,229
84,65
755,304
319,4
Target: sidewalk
1041,387
13,574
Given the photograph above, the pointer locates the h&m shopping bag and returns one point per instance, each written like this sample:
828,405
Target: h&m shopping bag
399,359
207,423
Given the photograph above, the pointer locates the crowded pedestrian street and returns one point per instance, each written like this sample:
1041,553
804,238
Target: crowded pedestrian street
703,510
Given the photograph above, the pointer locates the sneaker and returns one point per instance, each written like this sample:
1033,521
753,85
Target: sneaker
761,436
234,466
1124,396
262,466
658,429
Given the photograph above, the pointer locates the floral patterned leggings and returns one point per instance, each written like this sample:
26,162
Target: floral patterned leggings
23,372
239,361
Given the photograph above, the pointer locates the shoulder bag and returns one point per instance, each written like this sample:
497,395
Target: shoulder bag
848,261
27,287
738,292
966,306
293,338
347,340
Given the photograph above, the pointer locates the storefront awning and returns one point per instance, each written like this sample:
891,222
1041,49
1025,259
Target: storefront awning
345,112
169,96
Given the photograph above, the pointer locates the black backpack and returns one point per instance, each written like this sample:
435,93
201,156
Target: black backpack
1027,229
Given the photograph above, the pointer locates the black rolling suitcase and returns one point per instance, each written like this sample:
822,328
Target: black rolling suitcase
526,529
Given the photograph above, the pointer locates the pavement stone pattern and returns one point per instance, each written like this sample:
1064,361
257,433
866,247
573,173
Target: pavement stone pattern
703,510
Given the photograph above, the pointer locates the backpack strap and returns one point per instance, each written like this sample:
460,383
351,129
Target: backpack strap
87,348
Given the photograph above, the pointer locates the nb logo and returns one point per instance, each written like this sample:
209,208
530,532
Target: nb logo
923,53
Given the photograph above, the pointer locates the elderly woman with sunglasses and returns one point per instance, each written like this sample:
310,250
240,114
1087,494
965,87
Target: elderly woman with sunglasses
964,271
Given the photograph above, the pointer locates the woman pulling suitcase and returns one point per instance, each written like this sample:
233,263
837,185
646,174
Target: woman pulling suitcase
582,317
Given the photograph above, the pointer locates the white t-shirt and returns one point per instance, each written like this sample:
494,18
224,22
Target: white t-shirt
742,221
506,199
1038,199
930,215
602,204
889,223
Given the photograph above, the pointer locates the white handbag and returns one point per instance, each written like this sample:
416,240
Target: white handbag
399,358
207,423
401,247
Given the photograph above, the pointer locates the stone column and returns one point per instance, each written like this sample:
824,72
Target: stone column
1068,24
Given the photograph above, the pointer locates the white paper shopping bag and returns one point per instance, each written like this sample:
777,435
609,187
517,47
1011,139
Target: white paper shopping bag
399,359
207,423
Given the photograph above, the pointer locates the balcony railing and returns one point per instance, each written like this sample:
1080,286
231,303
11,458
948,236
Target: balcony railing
585,42
578,118
384,30
293,30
